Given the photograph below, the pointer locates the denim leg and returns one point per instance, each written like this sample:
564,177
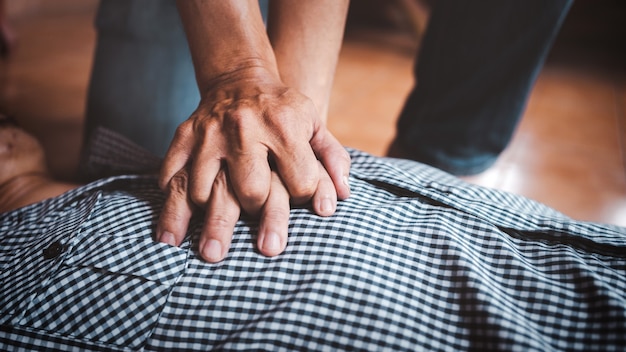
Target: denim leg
474,72
142,84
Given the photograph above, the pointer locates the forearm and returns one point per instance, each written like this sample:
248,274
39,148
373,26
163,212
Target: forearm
306,36
225,36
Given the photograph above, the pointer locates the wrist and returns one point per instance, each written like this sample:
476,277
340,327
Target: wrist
252,69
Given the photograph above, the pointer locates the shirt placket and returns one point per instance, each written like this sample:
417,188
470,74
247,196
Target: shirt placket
43,255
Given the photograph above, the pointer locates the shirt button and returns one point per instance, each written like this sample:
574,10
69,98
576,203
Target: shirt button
54,250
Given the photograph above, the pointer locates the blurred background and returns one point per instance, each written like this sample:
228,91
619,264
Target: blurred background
569,151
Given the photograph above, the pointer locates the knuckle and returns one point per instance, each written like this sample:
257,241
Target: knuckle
179,183
202,125
220,221
305,186
184,130
204,128
252,195
199,193
198,197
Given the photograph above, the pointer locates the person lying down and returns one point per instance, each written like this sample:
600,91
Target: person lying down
415,259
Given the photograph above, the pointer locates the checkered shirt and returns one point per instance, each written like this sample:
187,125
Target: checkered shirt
414,260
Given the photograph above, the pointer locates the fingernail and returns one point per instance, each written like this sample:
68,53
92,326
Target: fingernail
326,205
271,242
212,251
346,182
167,237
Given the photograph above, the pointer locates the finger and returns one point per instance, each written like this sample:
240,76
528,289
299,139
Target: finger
250,176
274,219
336,161
298,169
325,197
176,213
204,170
222,213
177,154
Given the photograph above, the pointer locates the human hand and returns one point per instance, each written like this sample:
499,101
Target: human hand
222,213
244,119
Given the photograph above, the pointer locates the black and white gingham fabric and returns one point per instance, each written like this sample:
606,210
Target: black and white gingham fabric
414,260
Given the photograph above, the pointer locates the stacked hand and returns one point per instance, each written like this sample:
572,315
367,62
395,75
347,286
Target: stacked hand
254,145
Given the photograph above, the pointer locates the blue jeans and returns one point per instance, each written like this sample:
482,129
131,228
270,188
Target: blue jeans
476,66
142,83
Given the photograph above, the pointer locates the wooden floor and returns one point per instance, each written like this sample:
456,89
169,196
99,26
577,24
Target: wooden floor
568,152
